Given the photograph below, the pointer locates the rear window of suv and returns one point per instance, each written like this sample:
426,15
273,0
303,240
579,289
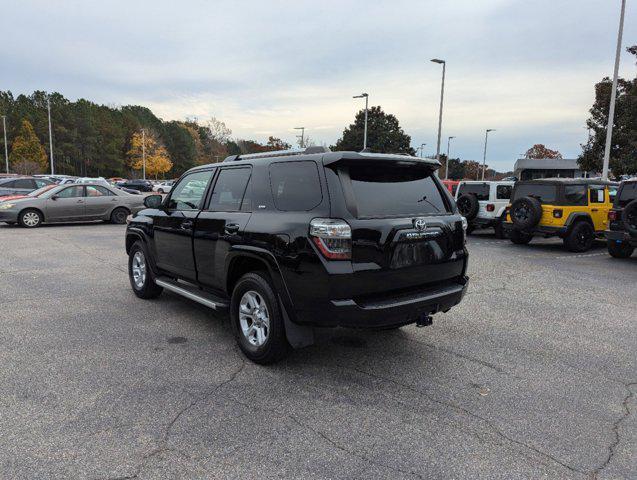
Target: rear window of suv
480,190
627,194
380,191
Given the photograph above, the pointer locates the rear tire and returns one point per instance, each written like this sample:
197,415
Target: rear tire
140,274
619,250
118,216
30,218
580,238
257,320
520,238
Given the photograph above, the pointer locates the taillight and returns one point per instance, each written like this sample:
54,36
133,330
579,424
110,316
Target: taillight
490,207
557,213
333,238
613,215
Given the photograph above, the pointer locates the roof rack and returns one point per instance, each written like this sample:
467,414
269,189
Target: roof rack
277,153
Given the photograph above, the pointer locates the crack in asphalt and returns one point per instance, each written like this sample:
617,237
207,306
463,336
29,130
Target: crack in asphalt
612,447
329,440
488,422
167,431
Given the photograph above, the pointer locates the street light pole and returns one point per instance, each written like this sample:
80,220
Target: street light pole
48,106
6,150
422,149
366,97
484,158
447,162
442,94
144,154
302,135
613,95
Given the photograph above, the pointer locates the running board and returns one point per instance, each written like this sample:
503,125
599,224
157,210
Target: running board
193,293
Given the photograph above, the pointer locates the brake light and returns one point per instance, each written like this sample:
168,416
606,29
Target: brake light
557,213
613,215
333,238
490,207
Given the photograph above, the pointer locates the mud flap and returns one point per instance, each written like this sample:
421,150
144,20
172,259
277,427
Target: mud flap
298,336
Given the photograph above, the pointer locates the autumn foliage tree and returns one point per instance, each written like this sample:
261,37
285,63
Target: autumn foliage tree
539,151
27,153
147,145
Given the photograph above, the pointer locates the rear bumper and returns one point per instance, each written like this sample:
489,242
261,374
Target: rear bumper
621,237
386,311
539,230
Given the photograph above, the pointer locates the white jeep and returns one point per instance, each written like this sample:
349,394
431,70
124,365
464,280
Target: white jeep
483,204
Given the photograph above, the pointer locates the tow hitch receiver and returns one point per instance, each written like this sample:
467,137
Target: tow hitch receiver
424,320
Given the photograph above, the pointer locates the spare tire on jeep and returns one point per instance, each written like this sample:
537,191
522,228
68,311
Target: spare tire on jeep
468,205
629,217
526,212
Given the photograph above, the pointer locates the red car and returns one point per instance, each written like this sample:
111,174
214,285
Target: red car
452,186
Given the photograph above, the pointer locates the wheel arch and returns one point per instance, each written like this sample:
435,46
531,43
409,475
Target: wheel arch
39,210
577,217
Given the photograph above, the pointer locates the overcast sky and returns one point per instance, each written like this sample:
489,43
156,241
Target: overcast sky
525,68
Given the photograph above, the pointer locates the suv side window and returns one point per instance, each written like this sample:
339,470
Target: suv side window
575,195
295,185
189,192
229,190
503,192
596,195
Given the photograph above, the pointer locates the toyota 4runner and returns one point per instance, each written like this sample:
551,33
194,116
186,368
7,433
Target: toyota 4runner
574,209
292,240
621,236
483,204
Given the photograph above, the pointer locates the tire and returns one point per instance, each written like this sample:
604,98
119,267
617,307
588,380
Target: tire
118,216
526,212
30,218
520,238
260,334
580,238
629,217
468,206
144,287
619,250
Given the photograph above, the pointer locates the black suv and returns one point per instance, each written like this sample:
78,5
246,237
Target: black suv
139,185
621,236
293,240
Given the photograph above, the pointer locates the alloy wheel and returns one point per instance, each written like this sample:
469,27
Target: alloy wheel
139,269
31,219
254,318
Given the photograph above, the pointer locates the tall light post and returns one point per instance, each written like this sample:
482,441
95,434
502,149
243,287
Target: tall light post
613,95
366,97
442,94
422,149
484,158
48,106
302,135
144,154
6,150
447,162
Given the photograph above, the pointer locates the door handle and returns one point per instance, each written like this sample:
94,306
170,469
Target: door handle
231,228
187,225
80,201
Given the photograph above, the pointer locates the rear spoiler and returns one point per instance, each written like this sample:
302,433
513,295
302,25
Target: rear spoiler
332,158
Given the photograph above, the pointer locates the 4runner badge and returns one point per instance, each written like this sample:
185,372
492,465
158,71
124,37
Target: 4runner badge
420,224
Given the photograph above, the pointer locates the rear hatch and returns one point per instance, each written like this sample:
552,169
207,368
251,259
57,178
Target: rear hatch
404,232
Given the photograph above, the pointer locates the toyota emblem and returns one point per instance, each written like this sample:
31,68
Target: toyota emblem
420,224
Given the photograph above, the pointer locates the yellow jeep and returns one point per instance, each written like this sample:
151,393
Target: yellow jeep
574,209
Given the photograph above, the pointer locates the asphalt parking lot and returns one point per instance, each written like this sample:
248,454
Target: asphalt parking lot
533,376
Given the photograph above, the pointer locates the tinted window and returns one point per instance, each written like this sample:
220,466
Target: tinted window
41,182
96,191
25,183
229,189
71,192
398,191
575,195
295,185
544,193
189,192
9,184
480,190
503,192
627,194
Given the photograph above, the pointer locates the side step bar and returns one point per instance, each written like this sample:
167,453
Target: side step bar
193,293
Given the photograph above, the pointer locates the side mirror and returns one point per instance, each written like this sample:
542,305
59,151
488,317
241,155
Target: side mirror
153,201
54,197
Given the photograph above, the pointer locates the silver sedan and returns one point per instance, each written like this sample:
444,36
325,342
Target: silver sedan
70,203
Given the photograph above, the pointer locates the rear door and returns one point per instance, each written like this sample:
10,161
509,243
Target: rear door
99,201
222,223
174,224
404,232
